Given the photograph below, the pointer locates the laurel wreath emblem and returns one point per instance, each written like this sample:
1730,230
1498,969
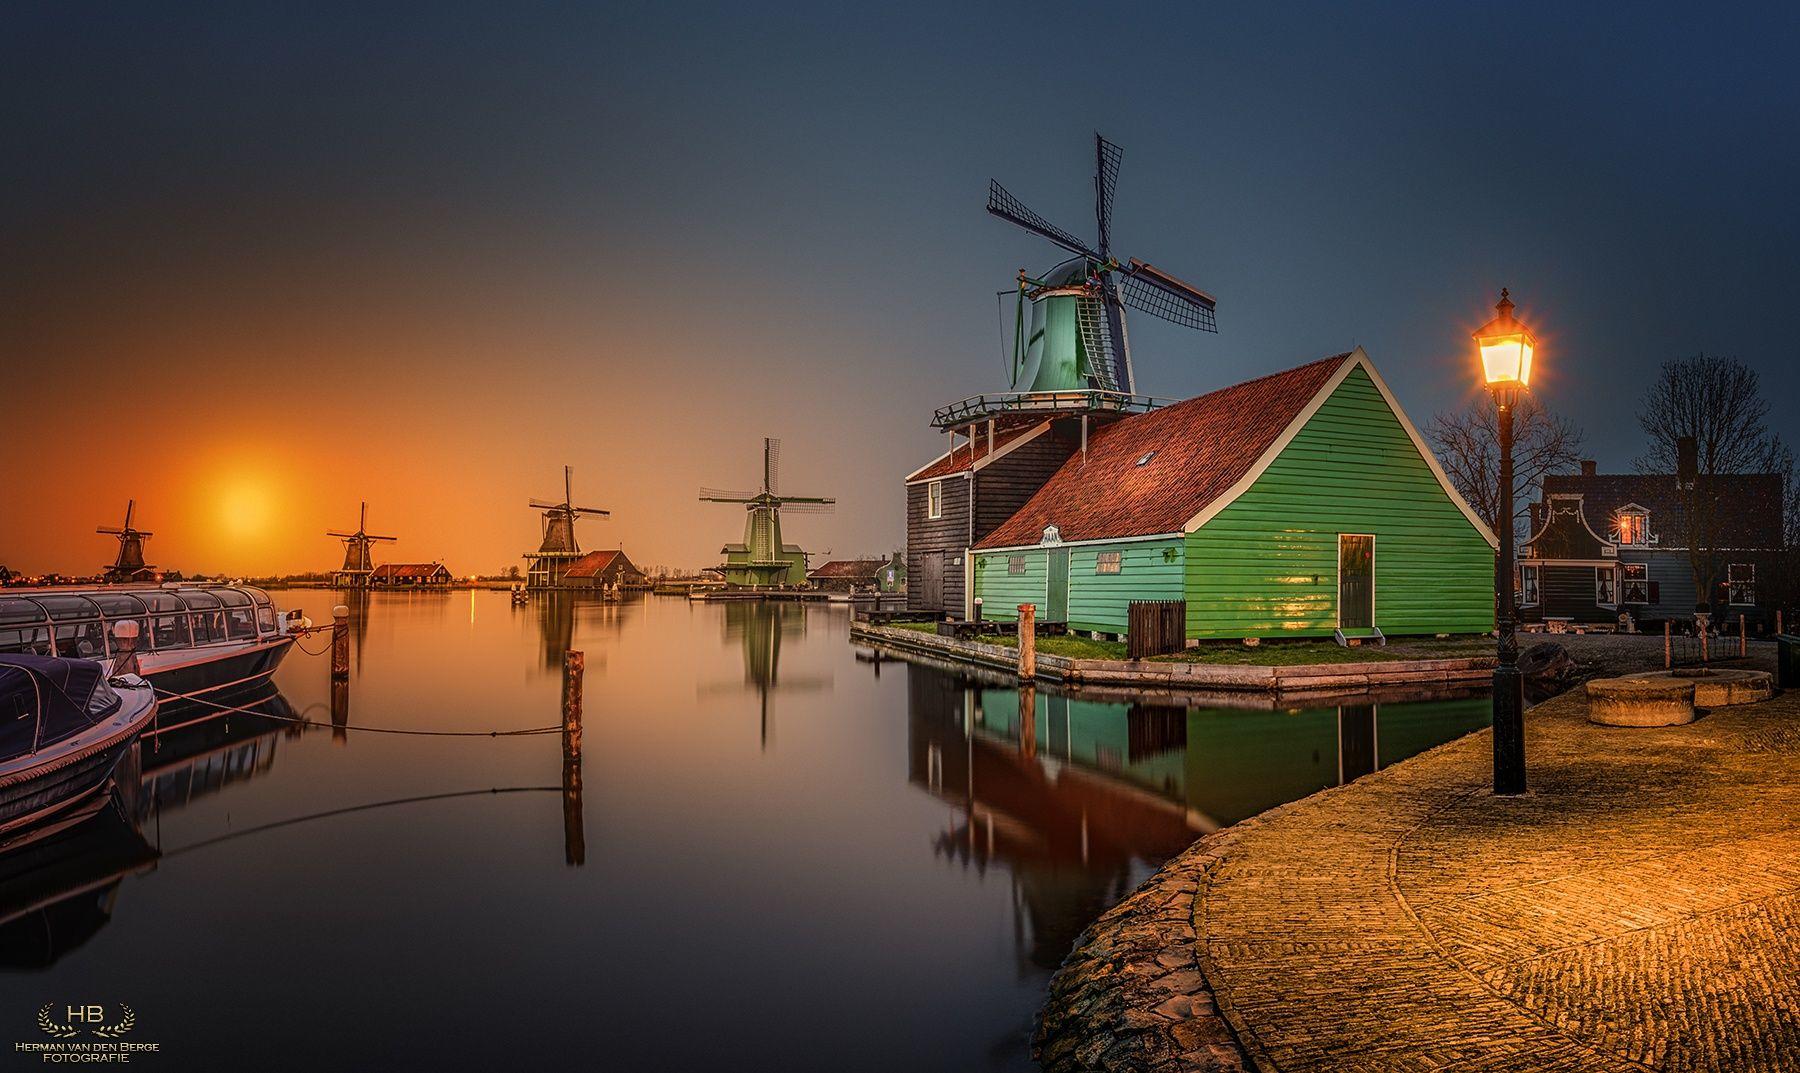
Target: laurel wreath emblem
114,1031
57,1031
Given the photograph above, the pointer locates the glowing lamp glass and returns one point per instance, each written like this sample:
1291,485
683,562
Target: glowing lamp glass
1506,359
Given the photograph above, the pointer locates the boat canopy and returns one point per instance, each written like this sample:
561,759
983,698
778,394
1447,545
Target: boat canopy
79,623
44,700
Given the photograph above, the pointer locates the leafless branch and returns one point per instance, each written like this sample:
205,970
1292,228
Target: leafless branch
1467,443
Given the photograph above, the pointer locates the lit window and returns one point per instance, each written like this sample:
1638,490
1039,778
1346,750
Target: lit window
1015,564
1528,585
1634,527
1740,583
1605,586
934,499
1106,562
1636,583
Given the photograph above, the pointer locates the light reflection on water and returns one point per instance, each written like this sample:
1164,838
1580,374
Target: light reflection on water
795,856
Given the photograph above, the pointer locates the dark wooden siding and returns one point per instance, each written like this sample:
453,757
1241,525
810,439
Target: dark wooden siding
947,536
1003,485
1568,592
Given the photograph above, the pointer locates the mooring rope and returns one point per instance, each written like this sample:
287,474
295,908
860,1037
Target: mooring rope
307,650
302,720
493,791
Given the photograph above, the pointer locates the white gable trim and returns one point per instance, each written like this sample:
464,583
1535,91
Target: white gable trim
1000,452
1358,359
1549,504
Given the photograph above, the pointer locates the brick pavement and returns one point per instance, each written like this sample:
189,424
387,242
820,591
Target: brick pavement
1636,911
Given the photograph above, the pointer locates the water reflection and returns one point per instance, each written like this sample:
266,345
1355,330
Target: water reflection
1076,797
757,628
59,881
906,868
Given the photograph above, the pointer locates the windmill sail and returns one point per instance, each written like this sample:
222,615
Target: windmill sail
1045,357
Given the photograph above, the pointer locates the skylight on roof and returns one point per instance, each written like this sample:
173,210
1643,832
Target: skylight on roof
1147,457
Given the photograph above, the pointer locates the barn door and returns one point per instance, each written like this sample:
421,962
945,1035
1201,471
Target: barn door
1356,582
932,584
1056,600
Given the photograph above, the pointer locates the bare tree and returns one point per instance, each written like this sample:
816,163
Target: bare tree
1718,402
1467,443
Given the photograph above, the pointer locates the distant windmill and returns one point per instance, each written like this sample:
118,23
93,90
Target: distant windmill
358,563
1086,347
130,565
762,560
559,548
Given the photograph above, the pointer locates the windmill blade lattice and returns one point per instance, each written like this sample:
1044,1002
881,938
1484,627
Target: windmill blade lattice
1106,179
1002,204
1162,295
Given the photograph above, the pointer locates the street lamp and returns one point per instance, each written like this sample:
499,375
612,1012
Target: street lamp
1506,348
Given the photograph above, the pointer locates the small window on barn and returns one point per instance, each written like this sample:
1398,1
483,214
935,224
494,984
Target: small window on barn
1606,586
1634,527
1528,586
1015,564
1637,583
1106,562
1740,583
934,499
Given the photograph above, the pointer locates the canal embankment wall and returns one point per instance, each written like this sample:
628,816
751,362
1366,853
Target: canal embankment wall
1181,676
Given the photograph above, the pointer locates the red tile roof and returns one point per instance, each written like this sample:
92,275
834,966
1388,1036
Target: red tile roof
406,570
966,453
850,568
595,563
1202,447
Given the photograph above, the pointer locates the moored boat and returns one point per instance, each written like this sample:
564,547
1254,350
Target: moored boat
64,723
189,641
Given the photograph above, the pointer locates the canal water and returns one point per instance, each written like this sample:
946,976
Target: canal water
785,855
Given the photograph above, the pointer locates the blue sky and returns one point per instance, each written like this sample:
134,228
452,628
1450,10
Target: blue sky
487,241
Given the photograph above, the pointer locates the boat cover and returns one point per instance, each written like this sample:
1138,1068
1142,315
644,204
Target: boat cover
44,699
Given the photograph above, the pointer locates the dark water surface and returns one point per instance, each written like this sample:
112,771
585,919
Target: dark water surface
793,858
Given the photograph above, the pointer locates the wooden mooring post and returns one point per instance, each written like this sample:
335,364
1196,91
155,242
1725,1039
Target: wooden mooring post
574,836
1028,719
340,642
1027,641
340,710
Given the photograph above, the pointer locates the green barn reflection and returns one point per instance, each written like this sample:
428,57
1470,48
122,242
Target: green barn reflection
1079,798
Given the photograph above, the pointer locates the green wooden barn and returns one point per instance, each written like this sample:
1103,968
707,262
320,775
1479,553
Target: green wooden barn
1300,504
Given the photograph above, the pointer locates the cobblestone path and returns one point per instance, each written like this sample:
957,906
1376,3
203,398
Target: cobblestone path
1636,911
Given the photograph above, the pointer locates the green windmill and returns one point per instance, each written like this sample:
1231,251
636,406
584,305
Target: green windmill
1069,330
763,560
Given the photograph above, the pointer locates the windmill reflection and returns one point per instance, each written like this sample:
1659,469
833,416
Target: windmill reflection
759,627
558,613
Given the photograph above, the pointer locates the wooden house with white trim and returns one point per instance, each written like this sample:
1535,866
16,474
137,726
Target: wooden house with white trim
1300,504
1606,545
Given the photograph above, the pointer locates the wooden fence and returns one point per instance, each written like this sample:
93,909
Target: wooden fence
1155,628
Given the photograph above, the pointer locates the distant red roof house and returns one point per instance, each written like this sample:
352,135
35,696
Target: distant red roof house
410,574
975,452
1124,486
842,575
603,568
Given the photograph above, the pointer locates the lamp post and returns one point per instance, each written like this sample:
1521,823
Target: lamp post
1506,350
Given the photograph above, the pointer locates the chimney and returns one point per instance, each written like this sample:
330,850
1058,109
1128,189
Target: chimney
1687,461
1587,467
